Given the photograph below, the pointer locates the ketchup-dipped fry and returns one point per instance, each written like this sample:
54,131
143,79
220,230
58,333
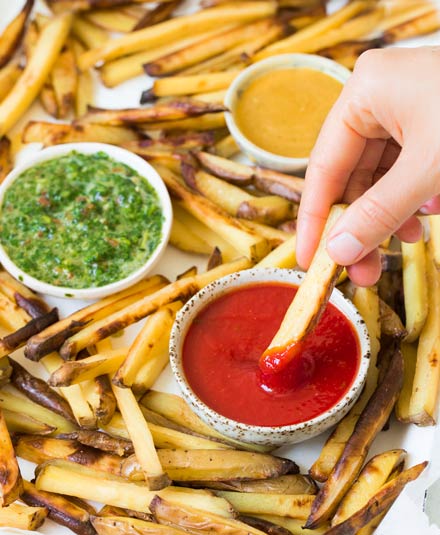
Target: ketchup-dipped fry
307,306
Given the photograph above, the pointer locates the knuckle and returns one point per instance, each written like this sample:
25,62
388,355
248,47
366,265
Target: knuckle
368,59
374,211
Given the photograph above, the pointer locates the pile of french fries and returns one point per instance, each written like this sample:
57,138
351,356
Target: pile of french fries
85,410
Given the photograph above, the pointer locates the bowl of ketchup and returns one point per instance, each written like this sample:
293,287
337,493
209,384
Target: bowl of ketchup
219,336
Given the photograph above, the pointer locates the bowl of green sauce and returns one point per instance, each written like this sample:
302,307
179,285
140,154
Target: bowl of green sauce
83,220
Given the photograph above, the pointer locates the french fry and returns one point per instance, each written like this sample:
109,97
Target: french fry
179,290
288,484
409,353
283,256
39,450
401,13
195,520
77,371
434,239
287,186
275,236
141,437
293,525
390,323
5,157
423,24
186,240
150,344
158,14
13,33
18,338
183,142
175,408
171,111
112,20
22,423
10,477
48,99
68,478
74,394
48,340
84,95
263,525
209,121
415,288
55,134
22,517
116,525
239,55
18,404
122,69
23,296
88,33
104,442
60,509
177,28
9,74
100,397
207,48
38,390
165,437
49,44
309,302
378,504
347,52
296,42
369,424
203,232
226,147
190,85
293,506
237,202
366,301
212,465
373,476
231,230
423,400
12,317
64,81
85,5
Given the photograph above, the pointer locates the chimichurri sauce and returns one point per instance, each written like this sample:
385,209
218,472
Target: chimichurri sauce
80,221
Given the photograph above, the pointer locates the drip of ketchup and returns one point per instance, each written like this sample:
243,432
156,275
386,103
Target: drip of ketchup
223,346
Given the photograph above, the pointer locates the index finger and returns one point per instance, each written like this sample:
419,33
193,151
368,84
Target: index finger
333,159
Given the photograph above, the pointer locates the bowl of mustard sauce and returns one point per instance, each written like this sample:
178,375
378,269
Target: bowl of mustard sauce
278,105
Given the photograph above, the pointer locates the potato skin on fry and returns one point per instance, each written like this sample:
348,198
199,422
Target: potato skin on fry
370,423
378,504
60,509
38,390
11,36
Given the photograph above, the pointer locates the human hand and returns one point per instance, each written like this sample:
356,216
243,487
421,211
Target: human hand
378,150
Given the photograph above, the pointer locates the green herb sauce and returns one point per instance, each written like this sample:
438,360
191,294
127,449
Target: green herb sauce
80,221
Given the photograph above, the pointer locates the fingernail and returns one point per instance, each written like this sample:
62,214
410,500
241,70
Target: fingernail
344,248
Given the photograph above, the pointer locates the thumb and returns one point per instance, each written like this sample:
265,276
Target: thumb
380,211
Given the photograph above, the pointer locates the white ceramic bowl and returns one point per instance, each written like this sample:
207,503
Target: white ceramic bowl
132,160
283,61
288,434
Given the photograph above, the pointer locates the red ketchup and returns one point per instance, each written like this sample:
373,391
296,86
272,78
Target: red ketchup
223,346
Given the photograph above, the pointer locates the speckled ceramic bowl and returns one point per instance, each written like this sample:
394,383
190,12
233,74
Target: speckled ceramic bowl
282,61
288,434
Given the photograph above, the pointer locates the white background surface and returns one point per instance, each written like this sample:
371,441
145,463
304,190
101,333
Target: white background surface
406,517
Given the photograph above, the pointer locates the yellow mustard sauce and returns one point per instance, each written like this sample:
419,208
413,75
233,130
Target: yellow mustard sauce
282,111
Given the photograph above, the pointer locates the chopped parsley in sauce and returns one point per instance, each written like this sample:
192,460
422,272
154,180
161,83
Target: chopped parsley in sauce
80,221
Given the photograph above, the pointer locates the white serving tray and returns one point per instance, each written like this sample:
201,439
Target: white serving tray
407,516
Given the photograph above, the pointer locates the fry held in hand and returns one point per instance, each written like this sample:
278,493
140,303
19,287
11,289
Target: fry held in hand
307,306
